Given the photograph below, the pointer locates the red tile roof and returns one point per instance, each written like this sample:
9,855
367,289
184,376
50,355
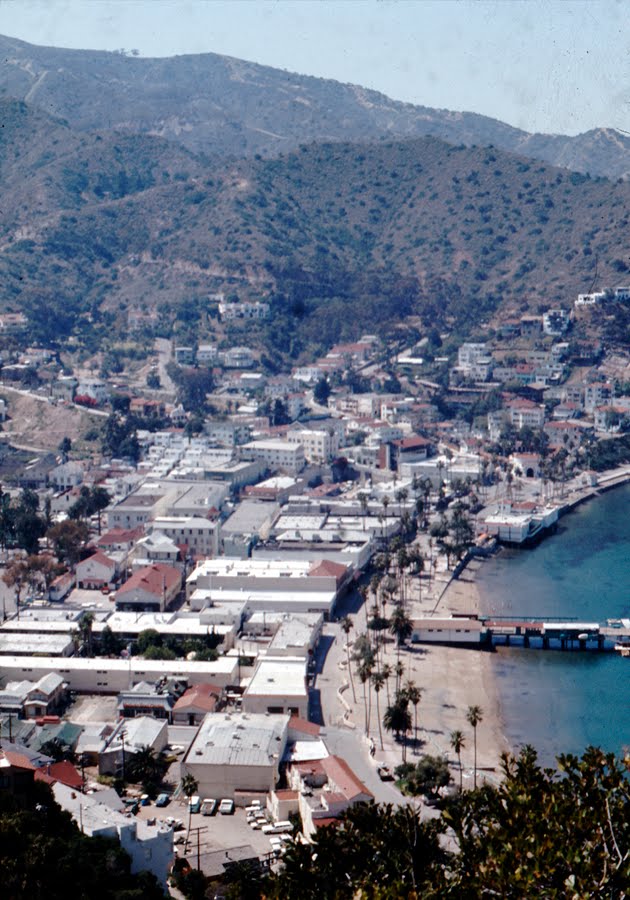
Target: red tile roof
412,442
203,696
120,536
343,778
298,724
328,820
326,567
17,760
100,557
63,772
154,579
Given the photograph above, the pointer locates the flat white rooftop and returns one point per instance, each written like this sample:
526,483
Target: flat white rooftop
252,568
54,644
136,666
280,676
273,600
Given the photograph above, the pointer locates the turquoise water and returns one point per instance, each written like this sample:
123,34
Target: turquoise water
564,701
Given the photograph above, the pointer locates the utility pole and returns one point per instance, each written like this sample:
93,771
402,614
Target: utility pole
199,829
123,734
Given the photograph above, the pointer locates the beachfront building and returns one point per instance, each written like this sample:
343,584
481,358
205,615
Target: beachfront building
270,585
448,630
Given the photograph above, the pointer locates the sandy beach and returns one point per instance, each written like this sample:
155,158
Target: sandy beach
451,679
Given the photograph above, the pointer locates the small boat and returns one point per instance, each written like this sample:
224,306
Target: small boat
623,649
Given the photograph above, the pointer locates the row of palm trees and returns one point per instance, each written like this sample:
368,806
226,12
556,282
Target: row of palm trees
474,716
374,673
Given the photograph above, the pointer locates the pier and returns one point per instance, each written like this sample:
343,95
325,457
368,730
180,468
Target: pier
563,634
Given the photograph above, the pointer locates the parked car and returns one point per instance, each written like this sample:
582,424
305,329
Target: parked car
385,773
162,800
226,807
194,803
208,806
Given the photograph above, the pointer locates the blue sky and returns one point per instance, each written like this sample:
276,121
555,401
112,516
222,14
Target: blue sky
556,66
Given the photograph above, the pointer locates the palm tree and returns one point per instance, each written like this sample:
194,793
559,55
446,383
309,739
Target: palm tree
386,672
458,743
362,590
399,671
189,786
363,500
385,502
85,630
474,716
346,627
400,625
145,766
365,673
414,695
402,561
401,497
378,680
397,718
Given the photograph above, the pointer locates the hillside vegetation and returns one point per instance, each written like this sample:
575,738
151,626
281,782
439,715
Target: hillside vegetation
341,237
216,104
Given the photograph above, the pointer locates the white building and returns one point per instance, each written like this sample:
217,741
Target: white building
253,311
129,737
468,354
149,846
200,535
278,685
277,455
238,752
451,630
111,676
555,322
320,445
67,475
93,388
207,354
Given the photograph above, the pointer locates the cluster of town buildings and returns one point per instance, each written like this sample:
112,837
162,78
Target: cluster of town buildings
248,535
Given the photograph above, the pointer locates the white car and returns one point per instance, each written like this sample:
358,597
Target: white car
226,807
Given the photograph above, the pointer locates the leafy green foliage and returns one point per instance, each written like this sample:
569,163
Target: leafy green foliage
428,775
42,853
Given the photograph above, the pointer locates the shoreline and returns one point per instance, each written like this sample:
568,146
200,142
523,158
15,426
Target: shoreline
461,595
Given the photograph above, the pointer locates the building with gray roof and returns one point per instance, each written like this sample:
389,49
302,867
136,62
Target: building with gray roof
237,752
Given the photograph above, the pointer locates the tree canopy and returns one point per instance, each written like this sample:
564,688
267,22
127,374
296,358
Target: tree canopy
542,832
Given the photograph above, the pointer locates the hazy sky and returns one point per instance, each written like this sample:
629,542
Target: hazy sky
543,66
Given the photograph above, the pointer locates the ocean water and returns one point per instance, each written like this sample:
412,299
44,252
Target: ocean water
564,701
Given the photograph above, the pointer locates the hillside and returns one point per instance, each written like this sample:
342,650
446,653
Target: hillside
215,104
341,236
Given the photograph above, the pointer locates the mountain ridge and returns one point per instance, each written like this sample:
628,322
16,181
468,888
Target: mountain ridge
221,105
340,237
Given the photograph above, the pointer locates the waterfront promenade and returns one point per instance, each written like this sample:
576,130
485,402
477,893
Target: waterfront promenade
451,678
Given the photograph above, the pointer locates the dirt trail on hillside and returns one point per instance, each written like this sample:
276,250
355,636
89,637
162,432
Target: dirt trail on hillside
36,424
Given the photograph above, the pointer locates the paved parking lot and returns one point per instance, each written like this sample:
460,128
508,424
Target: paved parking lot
217,832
